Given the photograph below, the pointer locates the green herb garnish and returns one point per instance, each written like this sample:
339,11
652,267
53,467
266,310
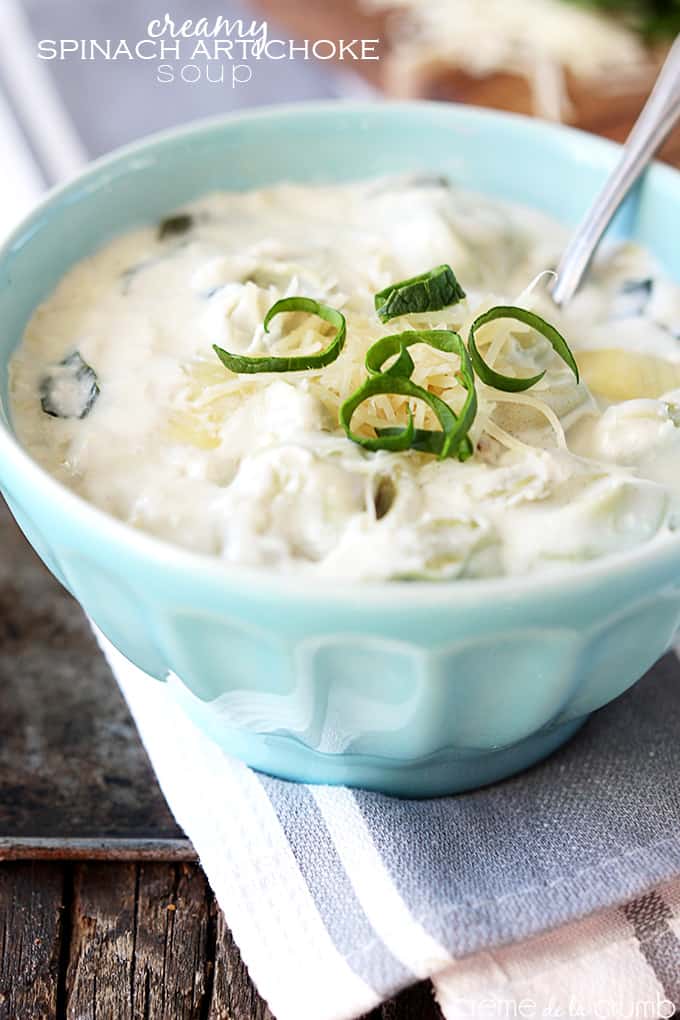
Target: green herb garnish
452,440
433,290
428,292
509,383
298,363
429,441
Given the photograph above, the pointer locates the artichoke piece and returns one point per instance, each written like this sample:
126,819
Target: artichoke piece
626,375
69,389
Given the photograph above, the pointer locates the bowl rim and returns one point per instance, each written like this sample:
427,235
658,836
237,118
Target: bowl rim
306,586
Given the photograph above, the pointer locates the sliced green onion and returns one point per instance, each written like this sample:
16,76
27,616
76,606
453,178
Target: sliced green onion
445,340
452,439
298,363
378,353
442,340
400,439
430,441
509,383
438,288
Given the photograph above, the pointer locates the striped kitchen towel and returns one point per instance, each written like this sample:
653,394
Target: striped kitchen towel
553,894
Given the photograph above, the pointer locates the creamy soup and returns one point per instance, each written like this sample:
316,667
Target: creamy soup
118,392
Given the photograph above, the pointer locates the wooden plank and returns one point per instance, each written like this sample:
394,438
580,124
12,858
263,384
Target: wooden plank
600,112
71,762
122,942
108,849
100,973
31,900
174,943
234,996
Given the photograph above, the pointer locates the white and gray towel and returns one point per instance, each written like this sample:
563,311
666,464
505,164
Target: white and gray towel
558,889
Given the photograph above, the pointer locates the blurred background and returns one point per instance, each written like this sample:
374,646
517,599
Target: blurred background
585,62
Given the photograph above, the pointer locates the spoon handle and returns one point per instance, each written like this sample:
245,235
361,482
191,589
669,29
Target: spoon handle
655,122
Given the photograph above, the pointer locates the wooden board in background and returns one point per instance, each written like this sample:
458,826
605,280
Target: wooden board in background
604,113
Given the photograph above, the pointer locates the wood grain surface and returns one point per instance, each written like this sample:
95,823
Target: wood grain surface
104,941
72,766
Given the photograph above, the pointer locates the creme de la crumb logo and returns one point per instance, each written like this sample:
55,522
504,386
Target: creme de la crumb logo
220,51
560,1008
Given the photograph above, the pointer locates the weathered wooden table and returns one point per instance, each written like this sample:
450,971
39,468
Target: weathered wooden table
106,941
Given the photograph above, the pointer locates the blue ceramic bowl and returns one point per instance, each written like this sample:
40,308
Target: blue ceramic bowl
410,688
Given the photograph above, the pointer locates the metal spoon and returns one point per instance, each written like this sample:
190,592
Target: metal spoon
659,115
